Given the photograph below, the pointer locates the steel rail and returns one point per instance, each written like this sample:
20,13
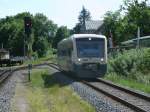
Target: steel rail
116,98
130,91
4,75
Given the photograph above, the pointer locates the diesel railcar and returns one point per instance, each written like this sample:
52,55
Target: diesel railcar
85,55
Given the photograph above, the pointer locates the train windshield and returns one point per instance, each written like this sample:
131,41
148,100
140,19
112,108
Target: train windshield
90,47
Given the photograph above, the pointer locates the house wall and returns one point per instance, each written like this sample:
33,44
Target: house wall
4,55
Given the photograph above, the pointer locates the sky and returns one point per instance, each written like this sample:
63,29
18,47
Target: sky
62,12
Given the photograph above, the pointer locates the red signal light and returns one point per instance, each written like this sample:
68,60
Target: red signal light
27,25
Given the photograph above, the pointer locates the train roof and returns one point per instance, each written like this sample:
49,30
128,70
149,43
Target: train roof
87,35
71,38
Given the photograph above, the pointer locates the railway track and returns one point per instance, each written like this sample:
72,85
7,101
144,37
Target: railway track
4,74
131,100
134,100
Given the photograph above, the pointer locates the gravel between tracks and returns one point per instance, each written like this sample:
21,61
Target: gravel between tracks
101,102
7,91
128,97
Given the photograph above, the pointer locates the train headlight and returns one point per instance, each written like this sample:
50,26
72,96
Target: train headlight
102,59
79,59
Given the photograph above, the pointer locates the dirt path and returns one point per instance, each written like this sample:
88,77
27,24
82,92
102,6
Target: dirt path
19,103
52,96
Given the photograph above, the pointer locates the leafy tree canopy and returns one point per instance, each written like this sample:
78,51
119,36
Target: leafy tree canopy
123,27
12,33
83,16
62,33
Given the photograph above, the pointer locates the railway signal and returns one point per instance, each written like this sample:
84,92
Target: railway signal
28,31
28,25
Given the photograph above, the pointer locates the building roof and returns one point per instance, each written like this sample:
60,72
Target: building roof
3,51
93,25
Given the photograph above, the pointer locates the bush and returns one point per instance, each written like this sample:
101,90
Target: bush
52,51
35,55
145,65
134,63
41,46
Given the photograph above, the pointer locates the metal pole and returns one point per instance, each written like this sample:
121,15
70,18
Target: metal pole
29,75
138,37
28,47
29,72
111,44
2,45
24,47
28,54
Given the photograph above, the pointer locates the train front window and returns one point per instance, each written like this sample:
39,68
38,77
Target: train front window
90,47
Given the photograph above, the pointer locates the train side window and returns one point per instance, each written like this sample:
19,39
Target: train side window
63,53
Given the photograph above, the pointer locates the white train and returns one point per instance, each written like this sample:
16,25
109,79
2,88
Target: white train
85,55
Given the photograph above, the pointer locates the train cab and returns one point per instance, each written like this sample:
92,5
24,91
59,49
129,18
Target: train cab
83,54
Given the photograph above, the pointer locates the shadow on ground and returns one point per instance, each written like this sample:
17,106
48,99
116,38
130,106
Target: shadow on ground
56,78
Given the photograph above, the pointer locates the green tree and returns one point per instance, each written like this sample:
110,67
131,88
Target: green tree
76,29
83,16
62,33
43,26
41,46
137,15
12,33
124,27
112,25
44,33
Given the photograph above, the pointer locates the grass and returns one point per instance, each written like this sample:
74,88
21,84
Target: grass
126,81
131,68
134,63
50,58
45,94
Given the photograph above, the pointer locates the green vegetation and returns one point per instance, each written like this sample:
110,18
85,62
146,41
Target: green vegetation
46,34
128,82
49,58
83,16
131,68
40,41
61,33
123,23
45,94
136,13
